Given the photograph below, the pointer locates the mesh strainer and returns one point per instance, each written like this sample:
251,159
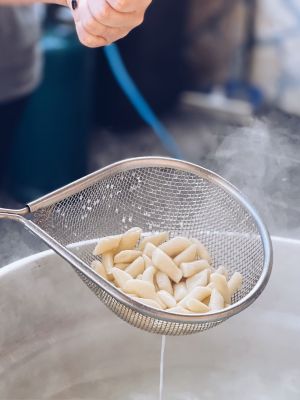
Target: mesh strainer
156,194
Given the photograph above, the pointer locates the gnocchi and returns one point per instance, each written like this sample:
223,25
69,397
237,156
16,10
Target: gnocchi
99,268
107,244
129,240
216,301
199,279
235,283
121,277
108,262
221,285
187,255
140,288
175,275
156,239
136,268
180,291
163,282
165,264
148,274
191,268
175,246
148,250
196,306
167,299
127,256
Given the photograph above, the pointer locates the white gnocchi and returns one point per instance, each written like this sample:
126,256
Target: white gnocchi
156,239
136,268
163,282
175,275
127,256
107,244
165,264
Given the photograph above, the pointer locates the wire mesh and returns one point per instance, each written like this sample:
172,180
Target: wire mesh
157,199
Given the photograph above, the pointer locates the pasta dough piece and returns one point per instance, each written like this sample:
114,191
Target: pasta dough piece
121,277
155,239
148,274
175,246
199,293
189,254
132,296
148,302
127,256
140,288
107,244
99,268
148,250
129,239
175,274
167,298
192,268
200,279
202,251
136,268
108,262
165,264
148,261
216,302
122,265
163,282
180,291
161,303
222,271
235,283
221,285
196,306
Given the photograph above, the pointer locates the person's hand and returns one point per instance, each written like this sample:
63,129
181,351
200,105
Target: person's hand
101,22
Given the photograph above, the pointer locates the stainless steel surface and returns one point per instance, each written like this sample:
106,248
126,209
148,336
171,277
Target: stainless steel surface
156,194
57,341
6,213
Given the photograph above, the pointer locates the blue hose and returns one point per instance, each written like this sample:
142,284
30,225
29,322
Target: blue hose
136,98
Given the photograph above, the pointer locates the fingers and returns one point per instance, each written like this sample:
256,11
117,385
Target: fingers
108,16
124,6
93,27
101,22
88,39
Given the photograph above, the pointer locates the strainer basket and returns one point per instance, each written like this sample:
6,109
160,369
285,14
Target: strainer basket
156,194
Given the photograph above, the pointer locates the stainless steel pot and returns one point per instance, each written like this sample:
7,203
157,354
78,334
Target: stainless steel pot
57,341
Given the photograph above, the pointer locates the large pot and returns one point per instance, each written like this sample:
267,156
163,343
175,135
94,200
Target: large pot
57,341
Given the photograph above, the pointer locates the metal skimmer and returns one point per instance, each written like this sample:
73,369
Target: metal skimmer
156,194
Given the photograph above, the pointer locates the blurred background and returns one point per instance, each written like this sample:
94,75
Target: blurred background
222,76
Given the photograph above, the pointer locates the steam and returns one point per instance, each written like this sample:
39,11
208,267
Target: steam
16,241
243,159
263,161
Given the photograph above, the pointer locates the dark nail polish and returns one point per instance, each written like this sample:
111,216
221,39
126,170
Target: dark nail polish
74,4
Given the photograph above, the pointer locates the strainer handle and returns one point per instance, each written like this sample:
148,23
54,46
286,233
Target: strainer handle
6,213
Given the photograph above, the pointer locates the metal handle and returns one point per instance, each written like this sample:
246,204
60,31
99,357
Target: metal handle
74,260
6,213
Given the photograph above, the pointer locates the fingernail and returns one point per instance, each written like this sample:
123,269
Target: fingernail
74,4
